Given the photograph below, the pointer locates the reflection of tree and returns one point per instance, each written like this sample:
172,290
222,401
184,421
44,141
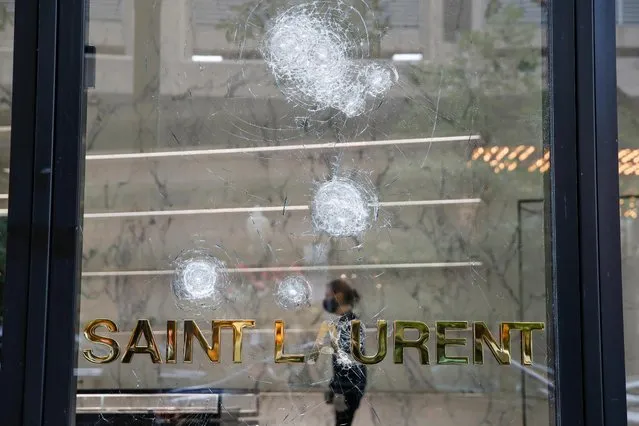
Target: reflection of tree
105,111
495,5
6,20
5,16
494,79
492,86
252,18
123,251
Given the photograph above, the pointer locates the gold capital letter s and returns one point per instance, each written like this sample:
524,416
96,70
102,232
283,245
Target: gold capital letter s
91,336
401,342
382,329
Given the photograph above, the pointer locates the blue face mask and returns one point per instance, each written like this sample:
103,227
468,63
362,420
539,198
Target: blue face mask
330,305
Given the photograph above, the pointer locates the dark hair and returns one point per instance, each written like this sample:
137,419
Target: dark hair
351,296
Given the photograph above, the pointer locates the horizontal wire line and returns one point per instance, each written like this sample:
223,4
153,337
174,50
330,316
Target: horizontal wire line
295,268
226,330
102,215
305,147
99,215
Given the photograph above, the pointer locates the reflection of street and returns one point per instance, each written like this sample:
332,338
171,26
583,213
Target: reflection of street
309,408
440,407
543,377
632,398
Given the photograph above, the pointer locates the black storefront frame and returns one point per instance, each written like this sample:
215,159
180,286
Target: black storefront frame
45,209
37,378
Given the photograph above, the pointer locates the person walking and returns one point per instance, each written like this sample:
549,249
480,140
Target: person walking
348,383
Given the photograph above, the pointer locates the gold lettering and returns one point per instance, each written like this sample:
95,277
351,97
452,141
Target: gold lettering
191,330
401,342
382,329
280,357
500,348
143,327
171,343
526,329
326,329
237,326
443,341
91,336
501,351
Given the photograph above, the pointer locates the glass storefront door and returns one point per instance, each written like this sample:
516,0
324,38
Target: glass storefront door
269,185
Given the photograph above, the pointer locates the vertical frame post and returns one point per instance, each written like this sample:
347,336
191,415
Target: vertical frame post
602,299
66,218
562,211
37,377
25,298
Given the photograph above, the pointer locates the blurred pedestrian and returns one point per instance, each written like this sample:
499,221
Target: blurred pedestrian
348,383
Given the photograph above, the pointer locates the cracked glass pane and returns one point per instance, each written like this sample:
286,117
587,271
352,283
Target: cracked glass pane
322,212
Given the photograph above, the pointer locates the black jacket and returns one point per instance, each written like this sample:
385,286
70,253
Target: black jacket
348,374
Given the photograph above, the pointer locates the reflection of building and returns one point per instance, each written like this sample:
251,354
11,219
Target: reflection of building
188,28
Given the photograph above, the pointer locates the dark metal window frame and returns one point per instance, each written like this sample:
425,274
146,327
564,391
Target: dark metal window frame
37,381
45,215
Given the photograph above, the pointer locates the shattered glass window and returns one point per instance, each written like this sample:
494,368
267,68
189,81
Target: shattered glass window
315,212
